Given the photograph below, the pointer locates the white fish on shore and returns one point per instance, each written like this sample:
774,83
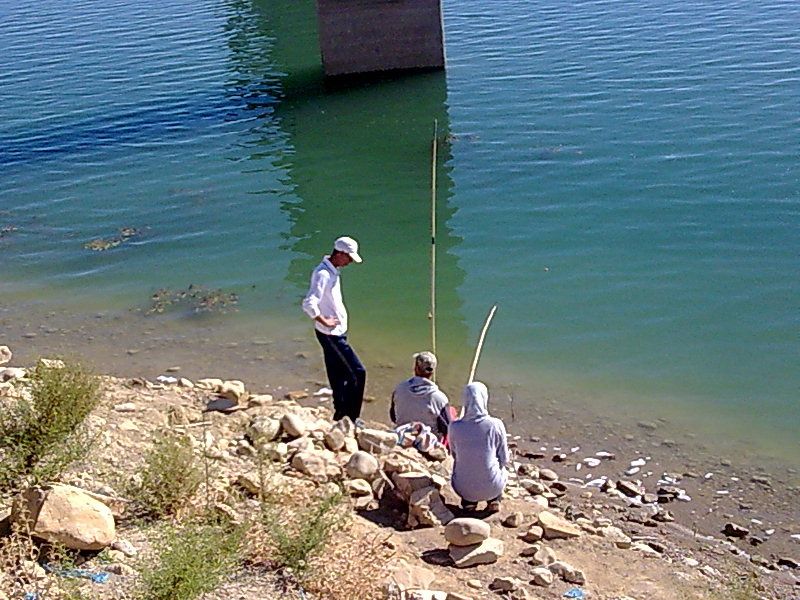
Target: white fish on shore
632,471
639,462
324,391
591,462
708,476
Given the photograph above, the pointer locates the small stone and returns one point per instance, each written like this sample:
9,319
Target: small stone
334,439
5,354
513,520
293,425
376,441
485,553
125,407
362,465
475,584
735,531
465,531
786,561
534,534
629,488
555,527
544,556
548,475
567,572
358,487
542,576
615,535
504,584
296,395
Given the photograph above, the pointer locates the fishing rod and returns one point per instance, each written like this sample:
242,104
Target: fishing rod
432,313
478,349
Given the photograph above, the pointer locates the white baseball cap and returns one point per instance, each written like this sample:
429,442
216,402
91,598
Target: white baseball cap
349,246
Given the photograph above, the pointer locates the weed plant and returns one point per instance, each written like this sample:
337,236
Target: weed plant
190,560
44,431
169,480
299,537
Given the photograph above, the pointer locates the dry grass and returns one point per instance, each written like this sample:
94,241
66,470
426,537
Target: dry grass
308,535
354,566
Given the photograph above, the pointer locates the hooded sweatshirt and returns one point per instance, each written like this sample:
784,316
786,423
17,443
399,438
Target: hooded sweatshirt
479,447
420,399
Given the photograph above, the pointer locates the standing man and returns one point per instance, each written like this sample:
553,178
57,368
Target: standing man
324,304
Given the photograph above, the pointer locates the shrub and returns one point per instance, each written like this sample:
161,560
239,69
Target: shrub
190,560
169,479
297,537
43,432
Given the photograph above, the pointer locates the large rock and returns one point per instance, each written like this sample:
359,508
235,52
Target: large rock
466,532
427,509
411,481
66,515
376,440
485,553
555,527
362,465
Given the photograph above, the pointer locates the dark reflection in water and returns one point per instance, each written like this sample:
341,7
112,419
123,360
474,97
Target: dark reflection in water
358,156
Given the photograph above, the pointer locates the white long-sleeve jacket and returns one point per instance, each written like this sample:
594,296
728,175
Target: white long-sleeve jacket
324,298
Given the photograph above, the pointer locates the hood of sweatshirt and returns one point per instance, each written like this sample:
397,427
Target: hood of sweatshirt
421,386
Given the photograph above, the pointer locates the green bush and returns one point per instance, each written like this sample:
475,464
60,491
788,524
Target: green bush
298,538
190,561
169,479
43,433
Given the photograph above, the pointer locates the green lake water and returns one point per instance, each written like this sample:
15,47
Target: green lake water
621,178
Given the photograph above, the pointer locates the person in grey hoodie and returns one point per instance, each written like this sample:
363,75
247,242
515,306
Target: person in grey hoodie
419,399
480,451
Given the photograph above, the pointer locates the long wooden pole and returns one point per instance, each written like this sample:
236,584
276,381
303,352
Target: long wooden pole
432,314
480,344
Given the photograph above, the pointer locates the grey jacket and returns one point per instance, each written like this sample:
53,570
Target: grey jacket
479,447
419,399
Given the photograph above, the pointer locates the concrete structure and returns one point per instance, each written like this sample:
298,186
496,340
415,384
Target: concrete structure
364,36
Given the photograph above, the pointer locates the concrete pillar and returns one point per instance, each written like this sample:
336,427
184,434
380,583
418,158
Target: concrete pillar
364,36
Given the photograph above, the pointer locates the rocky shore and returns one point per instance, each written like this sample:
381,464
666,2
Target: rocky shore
582,518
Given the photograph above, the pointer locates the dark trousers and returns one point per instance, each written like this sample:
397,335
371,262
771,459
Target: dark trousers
346,375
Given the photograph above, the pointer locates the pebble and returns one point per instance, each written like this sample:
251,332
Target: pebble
632,471
125,407
639,462
592,462
475,584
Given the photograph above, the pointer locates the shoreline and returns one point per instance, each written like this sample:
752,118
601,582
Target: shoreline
549,425
129,344
698,523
